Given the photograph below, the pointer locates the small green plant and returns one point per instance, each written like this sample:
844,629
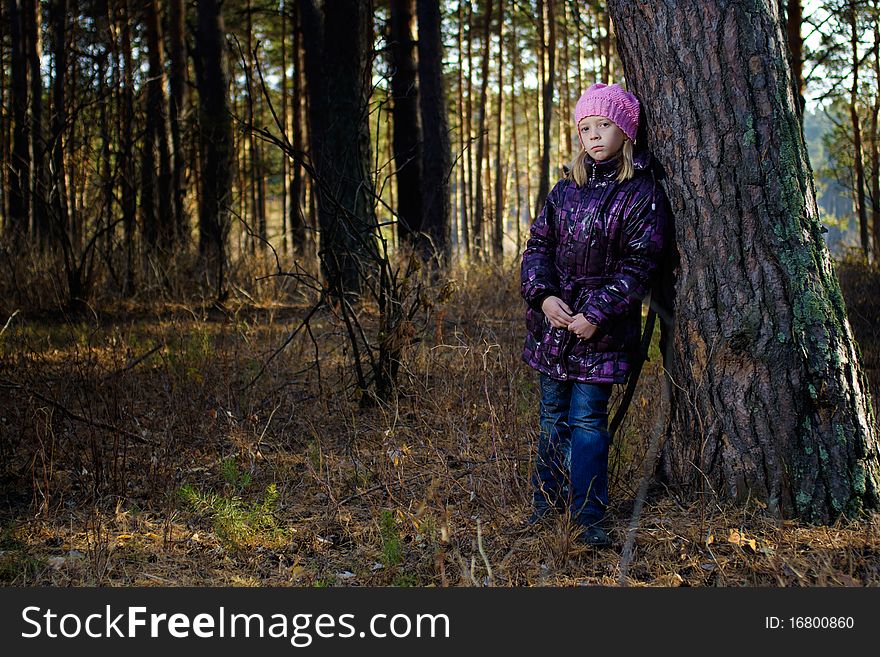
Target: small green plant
236,522
234,475
392,553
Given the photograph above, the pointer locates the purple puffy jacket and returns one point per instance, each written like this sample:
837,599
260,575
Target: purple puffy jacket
596,247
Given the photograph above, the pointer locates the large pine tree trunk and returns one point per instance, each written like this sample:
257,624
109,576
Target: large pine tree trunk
769,399
215,126
407,130
436,155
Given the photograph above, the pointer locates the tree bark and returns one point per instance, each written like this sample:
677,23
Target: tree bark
336,43
769,399
436,155
407,129
215,129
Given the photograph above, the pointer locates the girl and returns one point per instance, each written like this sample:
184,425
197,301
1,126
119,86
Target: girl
587,265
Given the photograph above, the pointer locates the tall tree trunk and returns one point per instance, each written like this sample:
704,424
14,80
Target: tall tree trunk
58,192
479,251
5,132
858,161
464,139
875,139
769,400
215,129
549,54
469,154
158,223
176,116
514,59
337,69
39,226
298,234
285,160
498,233
407,129
20,160
436,155
126,148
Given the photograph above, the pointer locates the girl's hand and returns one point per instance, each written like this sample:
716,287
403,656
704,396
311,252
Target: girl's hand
557,312
581,327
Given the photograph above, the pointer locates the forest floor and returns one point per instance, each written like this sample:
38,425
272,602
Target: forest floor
160,445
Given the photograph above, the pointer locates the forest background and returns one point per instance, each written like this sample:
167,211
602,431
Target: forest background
212,374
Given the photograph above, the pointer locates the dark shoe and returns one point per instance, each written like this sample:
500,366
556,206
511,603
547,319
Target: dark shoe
594,536
541,515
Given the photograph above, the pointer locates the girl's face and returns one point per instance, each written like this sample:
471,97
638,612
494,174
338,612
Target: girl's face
601,137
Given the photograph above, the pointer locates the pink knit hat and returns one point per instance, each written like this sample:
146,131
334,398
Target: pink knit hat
612,102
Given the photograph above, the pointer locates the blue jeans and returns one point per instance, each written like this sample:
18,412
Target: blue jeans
572,462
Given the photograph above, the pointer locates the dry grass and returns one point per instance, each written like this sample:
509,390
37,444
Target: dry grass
137,450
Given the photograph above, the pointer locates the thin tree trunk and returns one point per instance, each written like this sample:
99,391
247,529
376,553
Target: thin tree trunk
5,127
297,192
285,183
126,150
514,50
436,155
479,250
858,161
469,154
176,115
464,140
159,225
769,401
407,136
58,194
547,104
875,140
20,160
39,227
498,233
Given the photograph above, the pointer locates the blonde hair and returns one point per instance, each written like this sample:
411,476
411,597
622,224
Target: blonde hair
582,164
